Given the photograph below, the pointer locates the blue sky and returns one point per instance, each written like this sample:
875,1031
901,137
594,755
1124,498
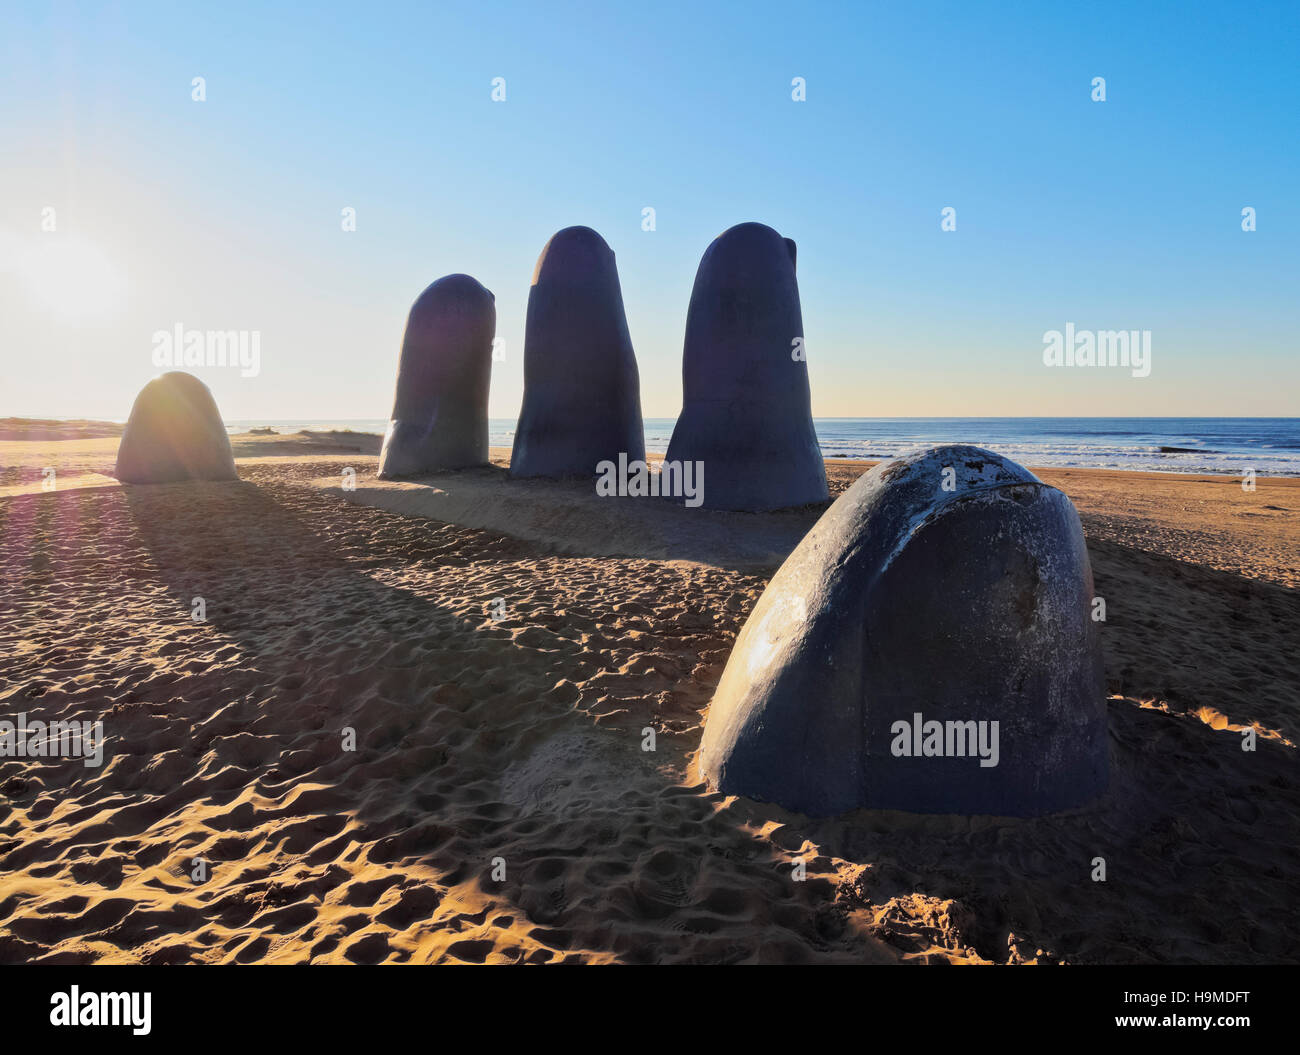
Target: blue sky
225,214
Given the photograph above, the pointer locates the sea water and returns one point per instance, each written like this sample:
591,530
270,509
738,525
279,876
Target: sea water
1270,446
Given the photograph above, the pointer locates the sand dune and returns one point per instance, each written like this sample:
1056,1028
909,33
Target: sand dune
500,689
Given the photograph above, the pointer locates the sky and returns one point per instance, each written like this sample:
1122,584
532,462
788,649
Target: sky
227,213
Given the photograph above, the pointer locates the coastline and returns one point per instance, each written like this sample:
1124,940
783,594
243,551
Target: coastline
1188,446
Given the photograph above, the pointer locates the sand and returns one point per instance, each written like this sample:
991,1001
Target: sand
500,668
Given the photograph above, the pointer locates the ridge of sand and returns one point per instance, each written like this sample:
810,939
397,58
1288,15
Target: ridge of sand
35,429
567,516
1205,520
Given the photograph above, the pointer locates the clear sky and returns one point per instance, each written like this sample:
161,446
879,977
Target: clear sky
226,214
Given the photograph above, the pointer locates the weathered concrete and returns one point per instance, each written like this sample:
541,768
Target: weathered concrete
582,393
965,605
440,411
175,432
747,407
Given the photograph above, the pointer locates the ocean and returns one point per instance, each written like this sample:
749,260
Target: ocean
1270,446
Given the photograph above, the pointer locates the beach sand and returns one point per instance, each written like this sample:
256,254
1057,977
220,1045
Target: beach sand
501,668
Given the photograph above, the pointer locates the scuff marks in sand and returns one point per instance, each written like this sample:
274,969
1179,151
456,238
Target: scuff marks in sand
519,738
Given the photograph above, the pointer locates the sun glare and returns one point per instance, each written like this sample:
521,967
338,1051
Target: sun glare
71,278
